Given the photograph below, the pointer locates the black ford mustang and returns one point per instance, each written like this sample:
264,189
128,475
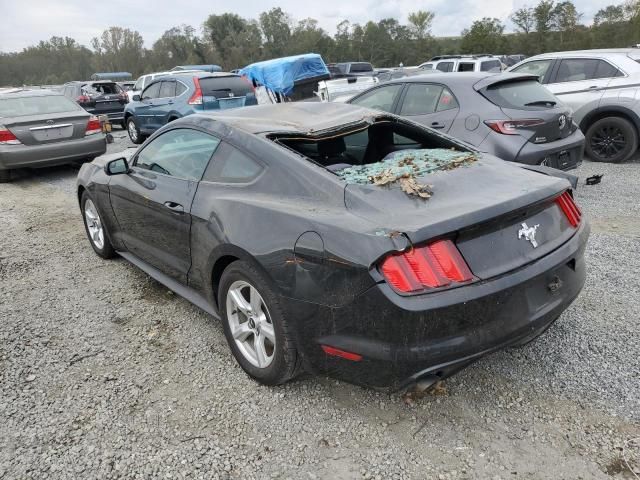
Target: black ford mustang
336,239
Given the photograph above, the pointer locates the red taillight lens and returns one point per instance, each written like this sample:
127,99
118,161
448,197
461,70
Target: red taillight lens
436,265
196,98
570,209
124,96
8,138
511,127
83,99
336,352
93,126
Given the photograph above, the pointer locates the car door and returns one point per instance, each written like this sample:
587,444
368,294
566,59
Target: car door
575,82
430,104
380,98
161,106
144,110
152,203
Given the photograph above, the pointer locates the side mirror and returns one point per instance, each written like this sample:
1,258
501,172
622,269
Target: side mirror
118,166
136,98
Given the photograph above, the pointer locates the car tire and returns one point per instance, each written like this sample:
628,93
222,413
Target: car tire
134,132
611,139
95,228
5,176
262,327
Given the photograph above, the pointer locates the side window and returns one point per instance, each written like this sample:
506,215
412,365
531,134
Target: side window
576,69
447,101
168,89
420,99
180,88
606,70
152,91
445,66
466,66
182,153
381,98
139,84
490,66
536,67
230,165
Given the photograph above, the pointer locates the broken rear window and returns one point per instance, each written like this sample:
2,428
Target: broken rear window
94,89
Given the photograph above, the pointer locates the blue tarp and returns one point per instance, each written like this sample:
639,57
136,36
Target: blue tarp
280,74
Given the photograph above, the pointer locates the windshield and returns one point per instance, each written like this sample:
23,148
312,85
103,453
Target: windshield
520,95
37,105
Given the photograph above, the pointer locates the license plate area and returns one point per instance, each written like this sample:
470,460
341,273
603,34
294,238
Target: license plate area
52,133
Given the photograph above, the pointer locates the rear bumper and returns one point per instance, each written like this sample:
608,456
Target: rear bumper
112,114
404,338
21,156
565,154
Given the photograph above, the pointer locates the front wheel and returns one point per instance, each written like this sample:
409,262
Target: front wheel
255,325
611,139
134,132
95,228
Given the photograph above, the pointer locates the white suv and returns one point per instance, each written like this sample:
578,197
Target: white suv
603,89
459,63
145,80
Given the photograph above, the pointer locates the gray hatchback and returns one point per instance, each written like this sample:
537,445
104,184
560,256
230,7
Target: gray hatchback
508,115
40,128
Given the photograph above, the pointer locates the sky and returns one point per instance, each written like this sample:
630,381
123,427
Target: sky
25,23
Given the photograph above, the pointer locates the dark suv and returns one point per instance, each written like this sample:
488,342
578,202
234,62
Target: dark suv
170,97
99,98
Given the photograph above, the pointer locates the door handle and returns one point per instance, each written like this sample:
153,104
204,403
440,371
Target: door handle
174,207
170,102
437,125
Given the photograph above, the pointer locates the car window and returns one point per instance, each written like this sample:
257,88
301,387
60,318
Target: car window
380,98
421,99
520,95
180,88
606,70
447,101
535,67
139,84
361,67
466,66
490,65
167,89
445,66
230,165
152,91
36,105
102,89
182,153
576,69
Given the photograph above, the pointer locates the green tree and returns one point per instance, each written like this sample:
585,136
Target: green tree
119,49
276,29
483,36
524,19
544,22
234,40
178,46
421,22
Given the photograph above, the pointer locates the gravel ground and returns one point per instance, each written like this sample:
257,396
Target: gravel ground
106,374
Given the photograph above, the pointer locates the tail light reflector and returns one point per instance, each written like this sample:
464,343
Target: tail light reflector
570,209
511,127
93,126
196,98
336,352
8,138
436,265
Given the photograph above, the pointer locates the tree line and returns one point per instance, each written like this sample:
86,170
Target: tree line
232,41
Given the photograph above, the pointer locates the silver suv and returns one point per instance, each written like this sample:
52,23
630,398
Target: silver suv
459,63
603,89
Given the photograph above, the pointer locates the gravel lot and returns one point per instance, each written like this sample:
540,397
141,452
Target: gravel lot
106,374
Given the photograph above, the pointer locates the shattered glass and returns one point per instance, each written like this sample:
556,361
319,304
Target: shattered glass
406,166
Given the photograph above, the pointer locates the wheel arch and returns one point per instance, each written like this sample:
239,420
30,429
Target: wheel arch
610,111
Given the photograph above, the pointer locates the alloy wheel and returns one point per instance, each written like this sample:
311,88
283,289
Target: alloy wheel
133,132
250,324
608,141
94,225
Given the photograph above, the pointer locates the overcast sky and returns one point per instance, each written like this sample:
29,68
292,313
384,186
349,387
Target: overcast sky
26,22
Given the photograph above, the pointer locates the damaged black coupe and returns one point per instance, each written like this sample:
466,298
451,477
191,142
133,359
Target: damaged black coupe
340,240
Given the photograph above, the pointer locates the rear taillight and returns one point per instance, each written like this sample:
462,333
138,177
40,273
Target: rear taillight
196,98
124,96
8,138
570,209
246,79
511,127
83,99
436,265
93,126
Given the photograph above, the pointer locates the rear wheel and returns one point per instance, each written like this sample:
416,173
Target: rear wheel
134,132
255,325
5,176
611,139
95,228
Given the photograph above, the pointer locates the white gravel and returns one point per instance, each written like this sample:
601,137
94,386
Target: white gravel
106,374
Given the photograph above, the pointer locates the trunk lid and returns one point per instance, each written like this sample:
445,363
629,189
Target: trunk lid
482,207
